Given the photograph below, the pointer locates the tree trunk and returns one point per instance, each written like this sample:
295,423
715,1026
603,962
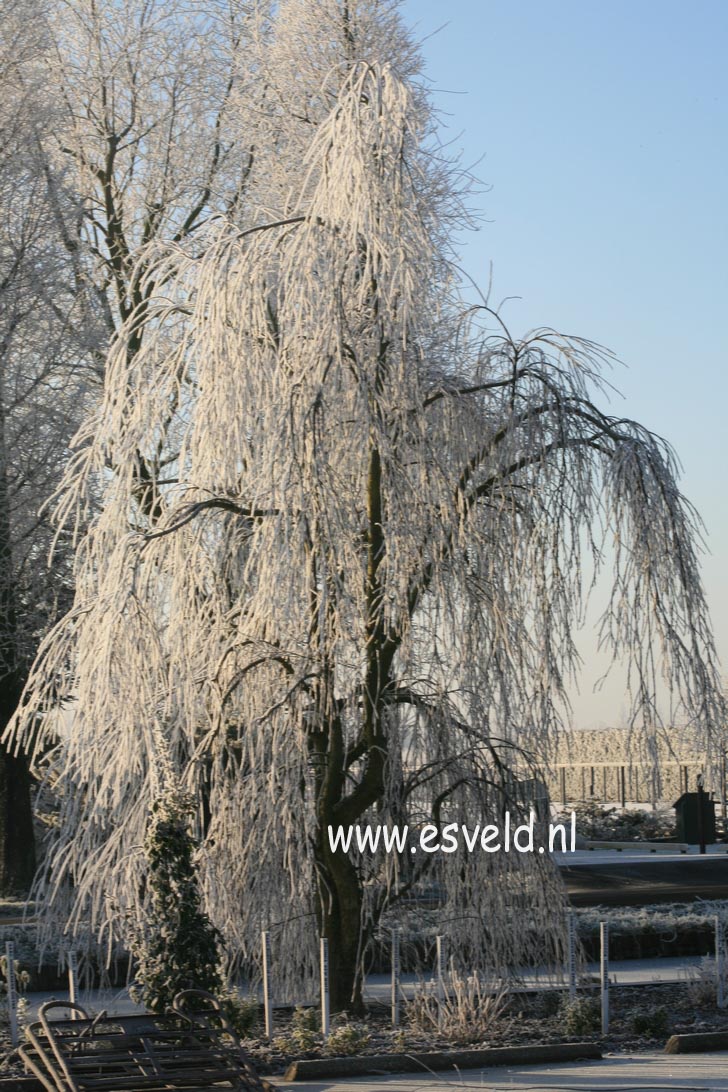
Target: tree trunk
339,919
17,841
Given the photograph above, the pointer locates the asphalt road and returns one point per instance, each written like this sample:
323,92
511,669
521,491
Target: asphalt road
637,883
626,882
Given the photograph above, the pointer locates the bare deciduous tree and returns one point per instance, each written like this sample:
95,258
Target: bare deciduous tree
41,398
355,600
153,100
117,137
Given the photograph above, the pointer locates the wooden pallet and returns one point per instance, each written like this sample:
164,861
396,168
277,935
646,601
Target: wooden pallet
190,1048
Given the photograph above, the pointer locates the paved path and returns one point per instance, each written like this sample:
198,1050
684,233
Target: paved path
623,972
620,1073
637,853
627,878
628,972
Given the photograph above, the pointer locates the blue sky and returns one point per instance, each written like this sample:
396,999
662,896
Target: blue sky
601,131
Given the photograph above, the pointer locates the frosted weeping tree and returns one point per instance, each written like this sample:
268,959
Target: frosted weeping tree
351,590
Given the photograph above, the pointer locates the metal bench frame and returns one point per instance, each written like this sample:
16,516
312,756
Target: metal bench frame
191,1047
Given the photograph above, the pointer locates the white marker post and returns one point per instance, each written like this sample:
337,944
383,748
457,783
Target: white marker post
73,981
571,954
441,969
719,963
267,1005
325,1011
604,937
12,991
395,978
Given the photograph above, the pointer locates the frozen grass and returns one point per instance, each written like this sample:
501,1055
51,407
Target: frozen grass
657,917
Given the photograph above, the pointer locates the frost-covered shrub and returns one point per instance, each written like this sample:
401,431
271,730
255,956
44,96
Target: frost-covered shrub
652,1023
665,918
650,931
305,1019
582,1016
347,1039
304,1033
27,945
242,1012
21,978
595,821
702,982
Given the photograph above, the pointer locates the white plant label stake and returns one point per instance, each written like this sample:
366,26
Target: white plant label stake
325,1018
395,978
604,938
73,981
267,1004
12,991
441,968
572,955
719,963
441,972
